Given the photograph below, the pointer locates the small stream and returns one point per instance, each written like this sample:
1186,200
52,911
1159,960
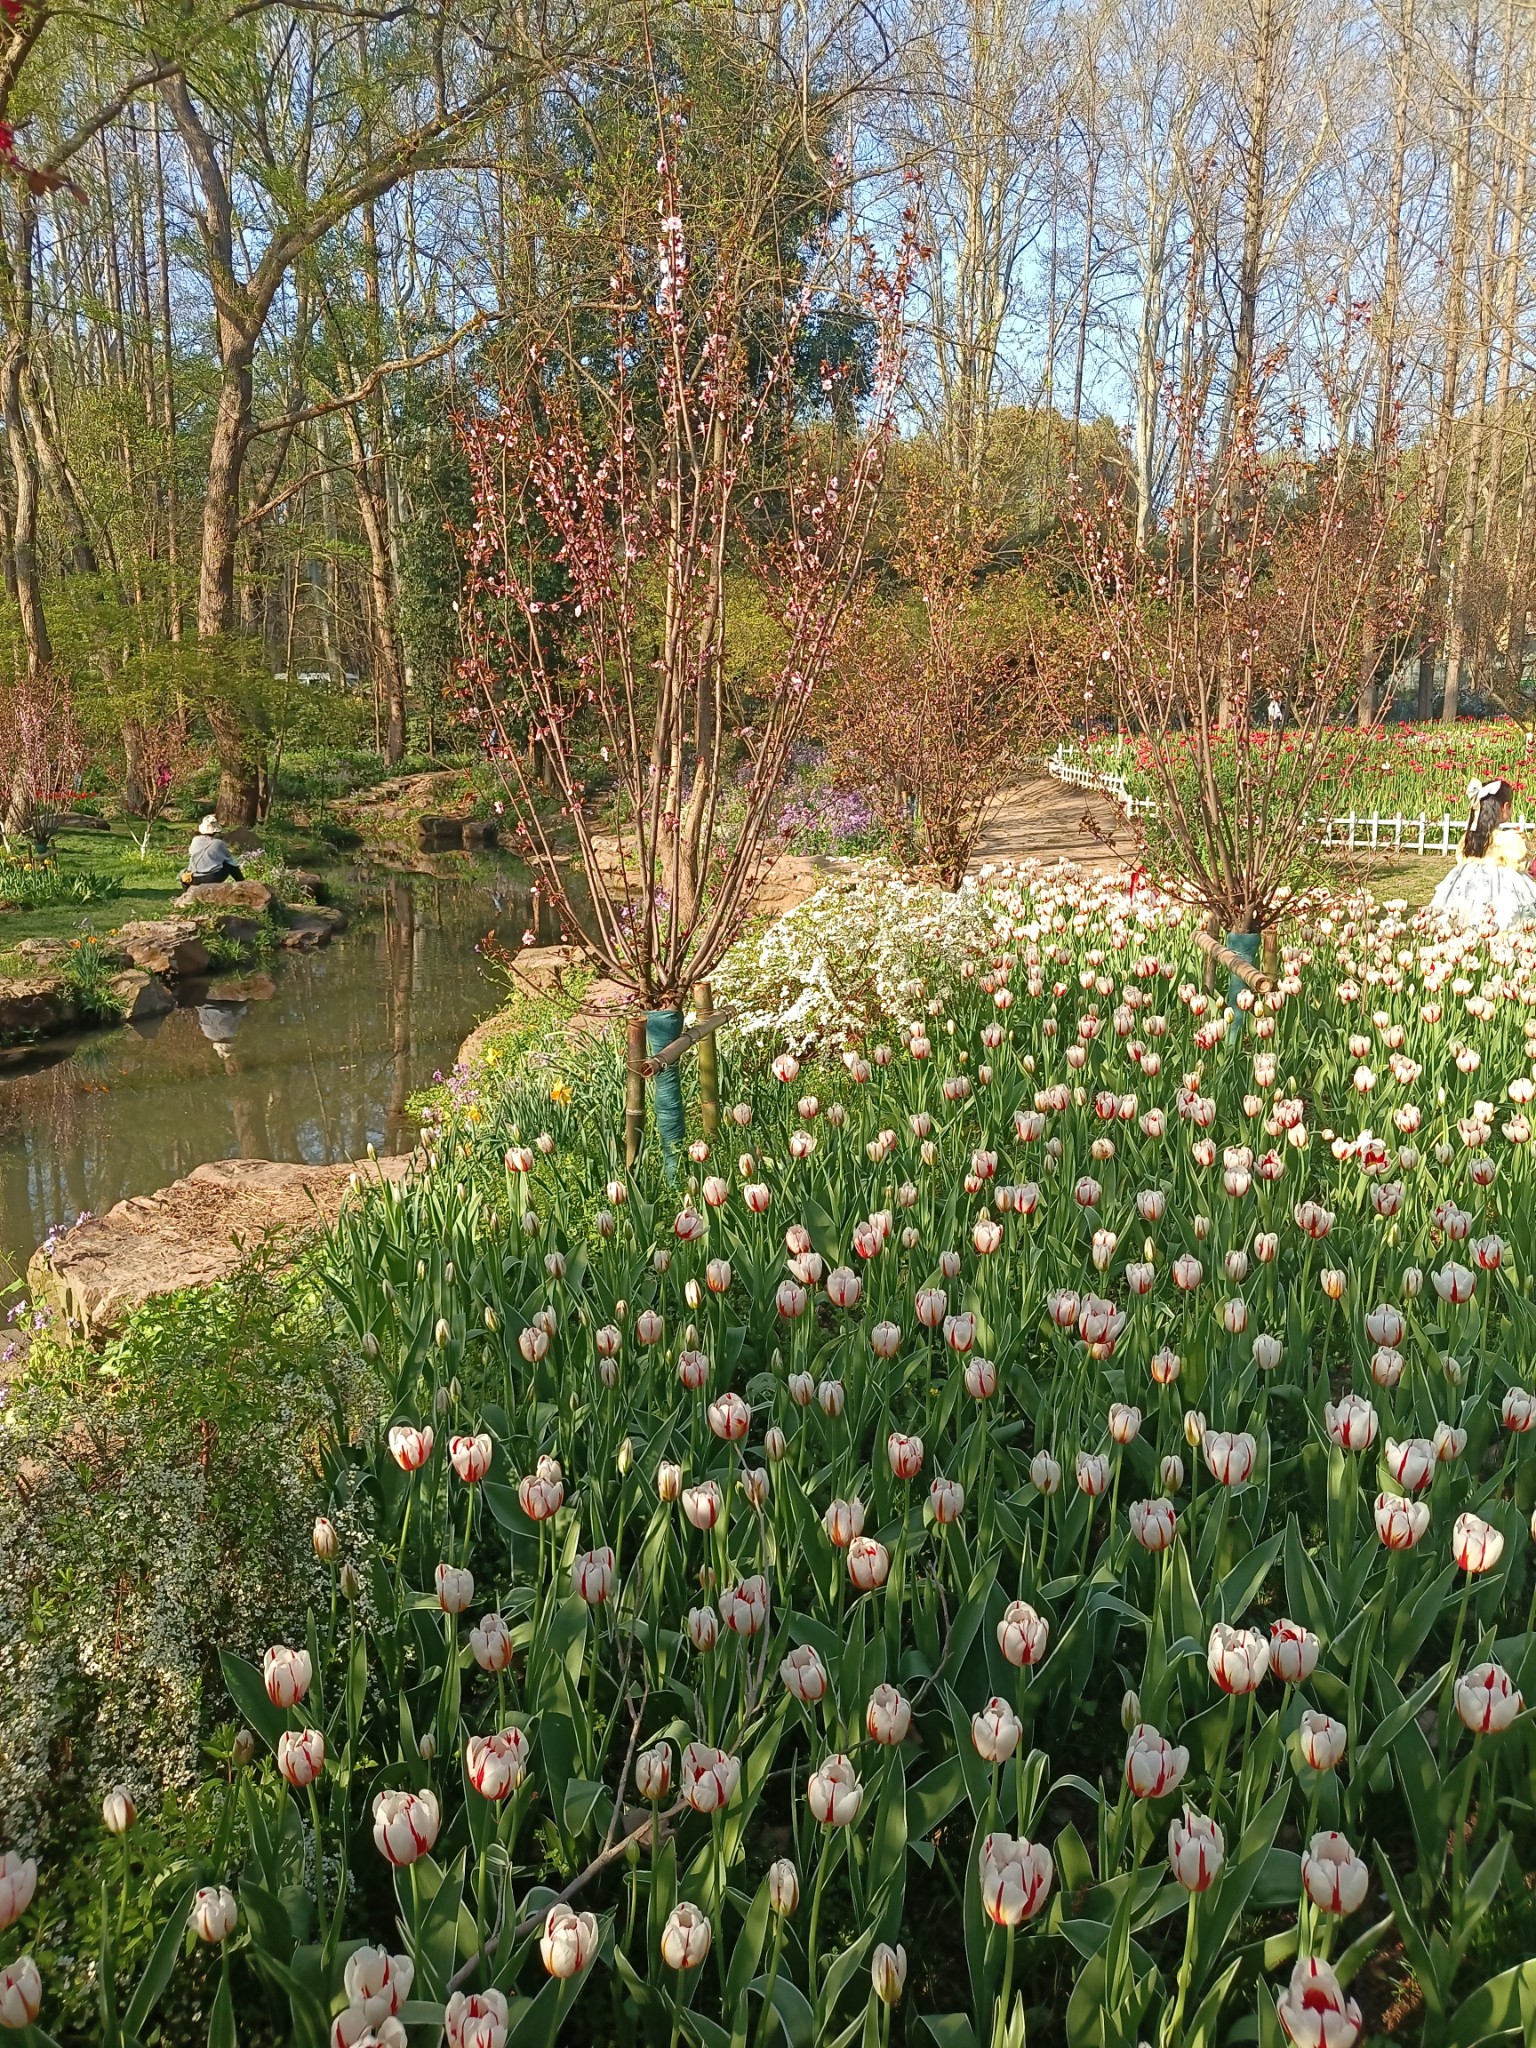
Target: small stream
310,1056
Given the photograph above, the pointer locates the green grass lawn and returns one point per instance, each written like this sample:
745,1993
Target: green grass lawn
1403,875
148,883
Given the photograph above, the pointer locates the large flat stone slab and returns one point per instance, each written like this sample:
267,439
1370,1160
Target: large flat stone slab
167,945
254,898
191,1234
35,1005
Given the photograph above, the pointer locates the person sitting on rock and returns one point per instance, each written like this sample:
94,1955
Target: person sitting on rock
209,859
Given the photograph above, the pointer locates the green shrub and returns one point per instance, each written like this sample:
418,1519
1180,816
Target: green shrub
156,1510
33,881
88,972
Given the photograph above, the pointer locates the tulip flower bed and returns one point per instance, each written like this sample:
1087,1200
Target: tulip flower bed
1028,1527
1397,770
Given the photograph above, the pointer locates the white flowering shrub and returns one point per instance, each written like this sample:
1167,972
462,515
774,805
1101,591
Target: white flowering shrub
862,955
158,1513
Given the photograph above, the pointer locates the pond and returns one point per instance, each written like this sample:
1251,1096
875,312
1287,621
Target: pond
310,1057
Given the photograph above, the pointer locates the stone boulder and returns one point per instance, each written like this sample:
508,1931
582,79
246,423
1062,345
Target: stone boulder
436,834
543,968
243,988
304,933
47,955
255,898
197,1231
141,995
35,1005
169,945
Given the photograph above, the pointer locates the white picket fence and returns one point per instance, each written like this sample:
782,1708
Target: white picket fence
1064,769
1357,831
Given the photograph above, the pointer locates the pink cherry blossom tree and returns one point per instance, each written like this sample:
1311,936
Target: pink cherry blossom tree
617,519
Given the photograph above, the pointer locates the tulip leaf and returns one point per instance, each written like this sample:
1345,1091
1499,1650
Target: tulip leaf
162,1961
706,2033
1393,1721
978,1778
560,1753
221,2020
792,2009
1423,1795
1500,2007
1420,1956
1242,1585
888,1851
1306,1590
840,1973
311,2018
950,2029
747,1953
578,1803
503,1503
1201,2028
249,1694
267,1918
663,1896
936,1794
1410,1621
536,2021
1479,1894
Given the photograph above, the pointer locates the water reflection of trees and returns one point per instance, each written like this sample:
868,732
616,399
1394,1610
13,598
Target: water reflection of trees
317,1072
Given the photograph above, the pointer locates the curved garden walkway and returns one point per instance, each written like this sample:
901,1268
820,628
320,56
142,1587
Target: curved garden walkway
1041,819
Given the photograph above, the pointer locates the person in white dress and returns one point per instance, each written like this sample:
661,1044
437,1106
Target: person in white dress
1489,884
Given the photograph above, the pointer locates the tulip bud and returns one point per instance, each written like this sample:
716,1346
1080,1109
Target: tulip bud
325,1539
783,1887
118,1812
242,1748
626,1457
349,1581
442,1334
888,1973
1130,1711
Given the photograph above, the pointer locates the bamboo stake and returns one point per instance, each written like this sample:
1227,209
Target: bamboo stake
701,1035
1218,955
709,1068
634,1091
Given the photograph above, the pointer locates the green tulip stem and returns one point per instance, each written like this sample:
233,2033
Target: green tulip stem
1448,1692
1005,1999
768,2030
314,1816
822,1861
1175,2019
1222,1753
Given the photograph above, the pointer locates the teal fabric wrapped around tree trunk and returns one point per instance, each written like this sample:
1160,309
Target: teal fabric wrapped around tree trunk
661,1027
1246,944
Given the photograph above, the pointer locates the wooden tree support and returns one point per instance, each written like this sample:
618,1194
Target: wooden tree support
1219,955
709,1066
634,1090
703,1031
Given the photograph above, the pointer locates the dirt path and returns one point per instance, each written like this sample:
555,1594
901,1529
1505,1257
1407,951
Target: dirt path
1042,819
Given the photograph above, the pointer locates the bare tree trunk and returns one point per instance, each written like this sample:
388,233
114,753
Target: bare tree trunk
1086,289
20,304
1384,428
1432,557
167,384
29,594
1510,341
1464,542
